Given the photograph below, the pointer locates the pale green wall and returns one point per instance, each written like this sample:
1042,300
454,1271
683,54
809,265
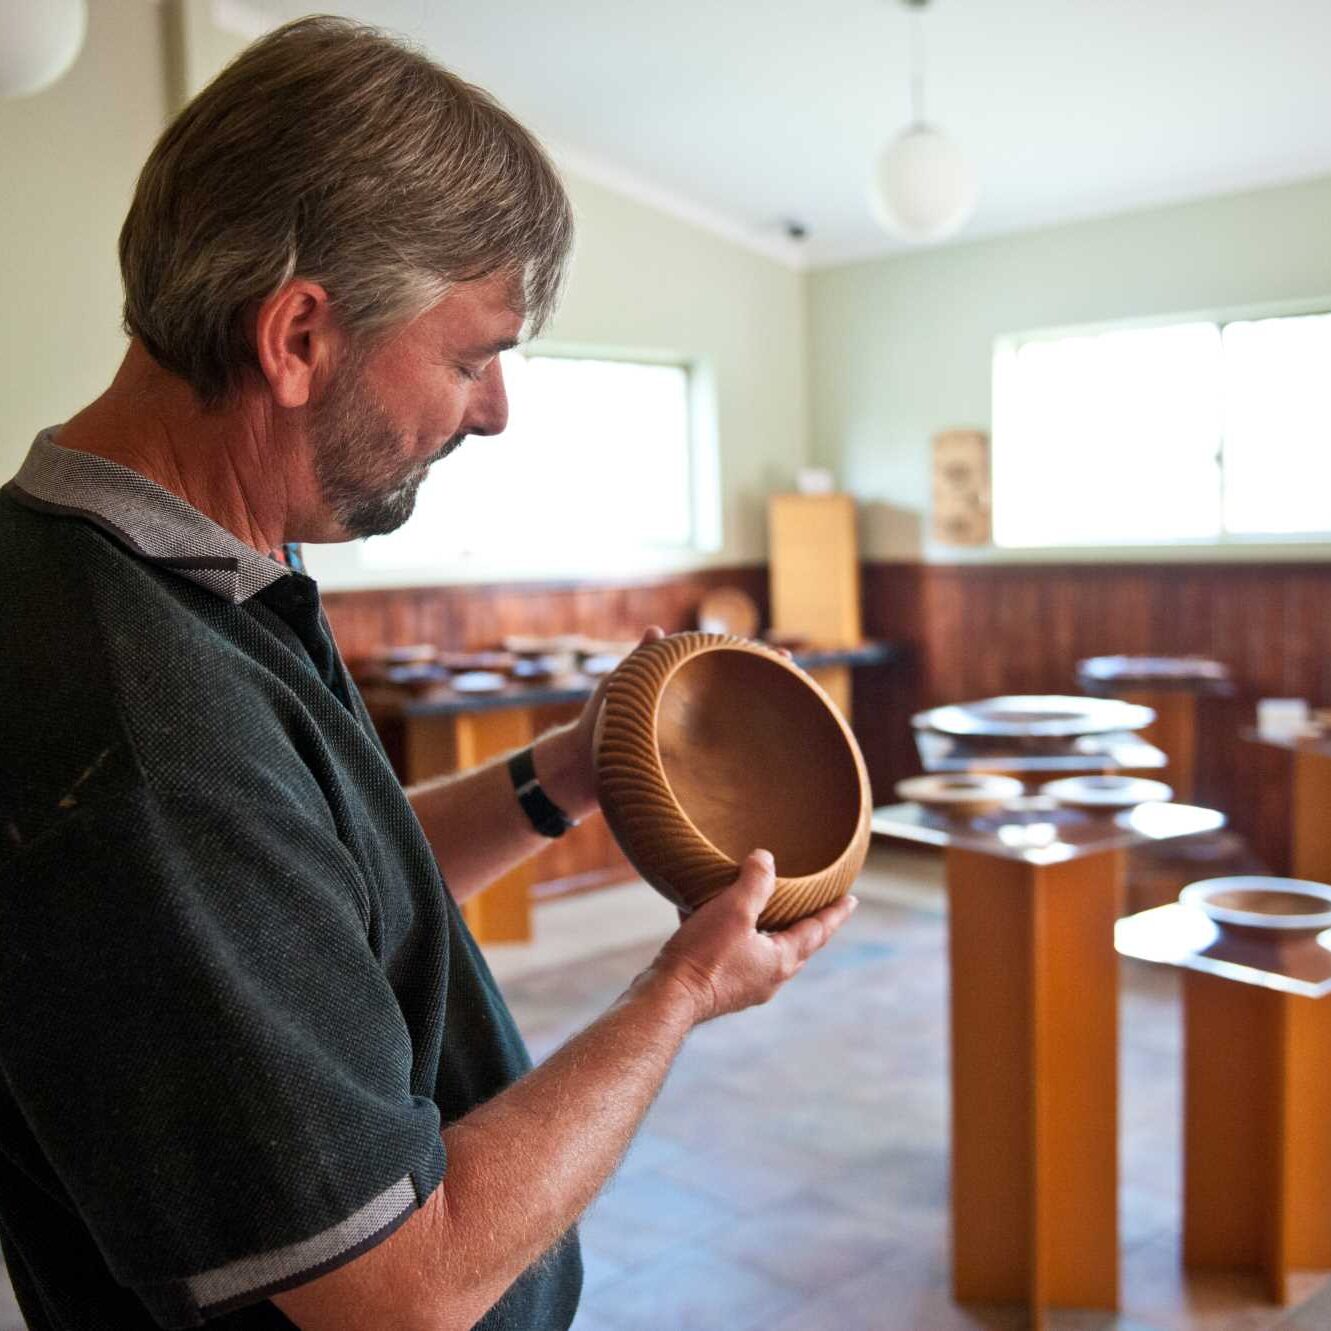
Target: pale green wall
68,161
901,347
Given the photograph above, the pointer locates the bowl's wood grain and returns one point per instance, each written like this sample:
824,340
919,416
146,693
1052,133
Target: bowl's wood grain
710,746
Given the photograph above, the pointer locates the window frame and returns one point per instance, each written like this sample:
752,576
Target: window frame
1304,545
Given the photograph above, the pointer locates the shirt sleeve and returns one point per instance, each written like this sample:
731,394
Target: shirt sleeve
205,1047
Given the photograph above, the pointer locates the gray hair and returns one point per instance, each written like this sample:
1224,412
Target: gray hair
330,151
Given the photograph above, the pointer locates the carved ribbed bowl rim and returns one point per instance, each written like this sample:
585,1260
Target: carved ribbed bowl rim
635,792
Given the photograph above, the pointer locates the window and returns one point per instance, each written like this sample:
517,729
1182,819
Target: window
598,460
1203,431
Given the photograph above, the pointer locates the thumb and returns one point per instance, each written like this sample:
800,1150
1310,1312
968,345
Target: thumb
756,883
652,634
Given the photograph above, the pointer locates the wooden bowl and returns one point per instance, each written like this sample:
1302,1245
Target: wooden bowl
710,746
728,610
1042,716
961,794
1273,909
1102,793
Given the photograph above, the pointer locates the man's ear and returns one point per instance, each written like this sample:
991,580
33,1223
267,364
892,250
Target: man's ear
295,336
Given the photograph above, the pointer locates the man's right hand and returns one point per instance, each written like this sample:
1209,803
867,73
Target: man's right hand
720,958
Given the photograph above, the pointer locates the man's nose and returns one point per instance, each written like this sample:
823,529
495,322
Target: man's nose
487,407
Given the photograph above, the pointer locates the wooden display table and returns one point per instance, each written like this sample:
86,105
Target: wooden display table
1170,686
1257,1094
445,731
1310,803
1033,896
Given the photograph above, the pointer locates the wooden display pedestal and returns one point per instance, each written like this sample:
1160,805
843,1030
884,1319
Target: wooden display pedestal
1033,894
449,743
1257,1135
1034,1080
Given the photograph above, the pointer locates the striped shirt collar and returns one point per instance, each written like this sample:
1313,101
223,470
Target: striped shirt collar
155,524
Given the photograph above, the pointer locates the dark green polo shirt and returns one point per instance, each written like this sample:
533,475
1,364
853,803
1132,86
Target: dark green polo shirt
237,1001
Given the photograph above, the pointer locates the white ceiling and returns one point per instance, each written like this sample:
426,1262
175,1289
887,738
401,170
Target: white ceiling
740,113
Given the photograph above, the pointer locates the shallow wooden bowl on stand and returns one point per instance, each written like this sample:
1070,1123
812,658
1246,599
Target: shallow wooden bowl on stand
1107,792
728,610
961,796
1049,717
1272,909
710,746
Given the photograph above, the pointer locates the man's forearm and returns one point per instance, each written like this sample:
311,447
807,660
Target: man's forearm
476,826
523,1167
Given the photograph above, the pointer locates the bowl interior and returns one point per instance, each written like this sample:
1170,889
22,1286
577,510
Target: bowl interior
755,758
1269,903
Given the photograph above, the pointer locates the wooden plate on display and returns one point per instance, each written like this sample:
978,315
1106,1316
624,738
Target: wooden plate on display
479,681
728,610
962,795
1148,669
407,655
498,662
1041,716
561,644
710,746
1272,909
1107,792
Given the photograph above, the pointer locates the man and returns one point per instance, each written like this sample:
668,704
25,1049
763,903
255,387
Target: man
255,1070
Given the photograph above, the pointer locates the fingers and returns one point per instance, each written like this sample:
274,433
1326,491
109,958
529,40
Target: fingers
653,633
802,939
755,884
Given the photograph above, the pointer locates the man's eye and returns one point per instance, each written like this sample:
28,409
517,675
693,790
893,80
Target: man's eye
470,372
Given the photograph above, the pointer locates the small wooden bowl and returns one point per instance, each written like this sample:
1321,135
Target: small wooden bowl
1272,909
963,794
710,746
1104,793
728,610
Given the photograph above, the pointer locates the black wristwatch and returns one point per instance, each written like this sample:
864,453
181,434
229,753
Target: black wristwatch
546,816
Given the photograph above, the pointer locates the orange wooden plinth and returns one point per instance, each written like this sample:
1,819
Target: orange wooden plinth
436,745
1034,1080
1310,815
1257,1130
1175,731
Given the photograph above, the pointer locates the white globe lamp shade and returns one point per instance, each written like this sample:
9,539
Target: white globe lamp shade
923,187
39,41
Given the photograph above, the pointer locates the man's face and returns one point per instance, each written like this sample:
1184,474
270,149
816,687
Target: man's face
384,420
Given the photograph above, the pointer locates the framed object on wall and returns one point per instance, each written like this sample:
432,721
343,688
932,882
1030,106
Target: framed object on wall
962,495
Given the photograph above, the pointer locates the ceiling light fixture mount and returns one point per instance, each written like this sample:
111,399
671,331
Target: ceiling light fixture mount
923,188
42,39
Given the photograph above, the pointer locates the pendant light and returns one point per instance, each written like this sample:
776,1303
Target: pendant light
923,187
39,41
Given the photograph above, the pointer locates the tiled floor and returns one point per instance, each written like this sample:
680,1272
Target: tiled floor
792,1175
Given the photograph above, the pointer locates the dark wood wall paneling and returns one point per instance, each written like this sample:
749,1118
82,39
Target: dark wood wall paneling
466,618
972,631
978,631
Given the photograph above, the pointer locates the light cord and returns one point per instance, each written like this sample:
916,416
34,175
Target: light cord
917,65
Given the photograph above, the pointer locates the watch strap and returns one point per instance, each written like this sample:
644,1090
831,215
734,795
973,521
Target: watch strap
544,814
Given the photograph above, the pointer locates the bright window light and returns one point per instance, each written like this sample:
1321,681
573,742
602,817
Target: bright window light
596,460
1278,425
1191,432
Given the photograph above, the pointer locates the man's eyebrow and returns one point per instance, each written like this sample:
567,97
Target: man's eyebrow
493,348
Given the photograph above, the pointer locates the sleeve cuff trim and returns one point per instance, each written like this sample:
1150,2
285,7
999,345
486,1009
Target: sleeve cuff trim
249,1278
